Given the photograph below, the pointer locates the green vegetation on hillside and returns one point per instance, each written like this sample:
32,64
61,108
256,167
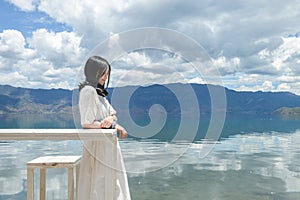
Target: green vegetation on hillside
286,112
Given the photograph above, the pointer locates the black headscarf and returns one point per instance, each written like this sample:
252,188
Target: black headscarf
94,68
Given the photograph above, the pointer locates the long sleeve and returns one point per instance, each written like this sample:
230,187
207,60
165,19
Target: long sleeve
88,105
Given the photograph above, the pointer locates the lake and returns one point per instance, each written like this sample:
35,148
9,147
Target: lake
256,157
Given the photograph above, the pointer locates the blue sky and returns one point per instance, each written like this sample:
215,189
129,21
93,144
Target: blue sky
12,17
254,45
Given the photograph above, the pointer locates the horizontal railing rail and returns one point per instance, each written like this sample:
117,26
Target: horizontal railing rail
56,134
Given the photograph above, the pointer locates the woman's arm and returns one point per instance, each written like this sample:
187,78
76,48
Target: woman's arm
95,124
105,123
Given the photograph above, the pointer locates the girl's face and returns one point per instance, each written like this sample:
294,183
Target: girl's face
104,77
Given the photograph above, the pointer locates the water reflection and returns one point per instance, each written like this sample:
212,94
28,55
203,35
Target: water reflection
243,166
252,166
234,124
13,174
37,121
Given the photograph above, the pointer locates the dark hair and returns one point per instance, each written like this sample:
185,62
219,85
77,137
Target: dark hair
94,68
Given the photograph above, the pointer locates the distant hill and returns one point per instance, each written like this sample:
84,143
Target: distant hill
289,113
260,102
41,101
237,102
34,101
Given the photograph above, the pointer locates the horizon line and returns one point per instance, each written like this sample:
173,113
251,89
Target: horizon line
149,85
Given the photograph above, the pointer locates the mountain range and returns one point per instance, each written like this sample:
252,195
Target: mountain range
42,101
34,101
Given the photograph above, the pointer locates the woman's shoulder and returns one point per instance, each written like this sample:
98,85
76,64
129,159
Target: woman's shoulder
87,90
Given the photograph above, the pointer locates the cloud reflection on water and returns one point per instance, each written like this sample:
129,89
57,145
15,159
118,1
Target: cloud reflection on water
257,166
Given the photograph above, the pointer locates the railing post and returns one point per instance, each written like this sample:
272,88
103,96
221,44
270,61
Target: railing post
71,183
42,184
30,183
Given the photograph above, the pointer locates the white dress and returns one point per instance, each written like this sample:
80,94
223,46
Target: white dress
92,169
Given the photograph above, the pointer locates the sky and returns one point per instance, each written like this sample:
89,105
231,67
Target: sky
254,45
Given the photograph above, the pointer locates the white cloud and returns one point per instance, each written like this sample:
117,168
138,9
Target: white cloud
152,67
13,51
284,87
249,79
284,59
257,82
12,45
282,56
197,80
252,47
25,5
62,48
289,87
12,41
135,59
14,78
94,21
265,87
47,60
289,79
227,66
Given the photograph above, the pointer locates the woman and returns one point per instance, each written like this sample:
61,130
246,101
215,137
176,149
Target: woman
96,112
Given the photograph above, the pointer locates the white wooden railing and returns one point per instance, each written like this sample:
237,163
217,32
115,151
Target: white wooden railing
57,134
73,134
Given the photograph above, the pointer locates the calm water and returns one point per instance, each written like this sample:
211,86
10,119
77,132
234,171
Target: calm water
256,158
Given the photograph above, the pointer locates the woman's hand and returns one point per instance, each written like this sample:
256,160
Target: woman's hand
107,122
123,133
